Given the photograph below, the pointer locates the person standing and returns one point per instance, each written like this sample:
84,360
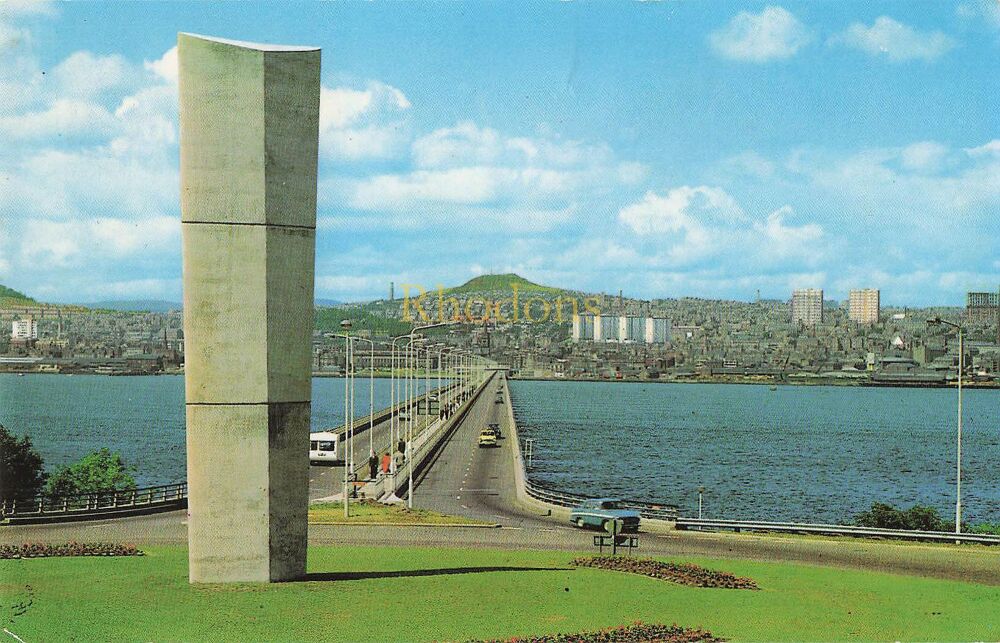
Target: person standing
372,466
386,463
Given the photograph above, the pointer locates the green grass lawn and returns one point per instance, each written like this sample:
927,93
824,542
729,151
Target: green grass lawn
368,511
367,594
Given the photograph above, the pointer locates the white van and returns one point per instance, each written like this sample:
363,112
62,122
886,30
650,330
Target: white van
325,446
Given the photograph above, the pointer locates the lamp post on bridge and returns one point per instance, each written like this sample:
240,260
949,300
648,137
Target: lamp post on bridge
937,321
348,421
371,397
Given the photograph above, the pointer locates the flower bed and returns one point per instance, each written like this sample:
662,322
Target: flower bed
635,633
41,550
682,573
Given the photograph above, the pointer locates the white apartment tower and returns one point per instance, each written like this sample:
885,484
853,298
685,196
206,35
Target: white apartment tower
864,306
24,329
807,306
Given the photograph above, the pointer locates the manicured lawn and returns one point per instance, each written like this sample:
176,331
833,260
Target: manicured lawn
456,594
370,511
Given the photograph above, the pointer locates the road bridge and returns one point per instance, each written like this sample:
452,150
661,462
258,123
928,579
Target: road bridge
462,479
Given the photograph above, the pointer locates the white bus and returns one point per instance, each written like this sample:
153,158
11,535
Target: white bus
325,446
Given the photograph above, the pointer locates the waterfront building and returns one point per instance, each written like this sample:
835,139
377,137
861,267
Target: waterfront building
982,307
24,329
807,306
863,306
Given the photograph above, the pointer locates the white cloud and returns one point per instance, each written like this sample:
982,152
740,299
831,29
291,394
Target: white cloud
539,178
925,156
894,40
783,241
165,67
683,209
362,123
12,8
991,149
82,74
923,185
467,144
63,118
81,242
772,34
690,224
987,10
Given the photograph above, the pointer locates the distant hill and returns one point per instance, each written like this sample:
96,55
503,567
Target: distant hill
327,303
505,282
14,296
136,305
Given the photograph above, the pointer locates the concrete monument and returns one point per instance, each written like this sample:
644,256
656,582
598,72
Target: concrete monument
249,123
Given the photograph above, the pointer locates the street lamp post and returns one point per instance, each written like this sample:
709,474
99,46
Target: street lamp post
346,325
937,321
371,397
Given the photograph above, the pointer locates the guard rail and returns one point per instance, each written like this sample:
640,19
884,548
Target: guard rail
88,505
697,524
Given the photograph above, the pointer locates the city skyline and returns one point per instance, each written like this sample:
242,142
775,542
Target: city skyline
717,150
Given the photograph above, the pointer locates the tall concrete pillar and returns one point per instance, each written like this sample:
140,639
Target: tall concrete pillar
249,119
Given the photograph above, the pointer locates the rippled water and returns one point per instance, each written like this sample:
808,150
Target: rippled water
142,417
801,453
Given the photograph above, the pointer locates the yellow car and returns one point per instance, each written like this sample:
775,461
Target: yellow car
487,439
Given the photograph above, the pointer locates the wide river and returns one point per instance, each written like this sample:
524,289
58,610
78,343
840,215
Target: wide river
141,417
799,453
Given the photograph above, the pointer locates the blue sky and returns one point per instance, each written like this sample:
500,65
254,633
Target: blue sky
663,148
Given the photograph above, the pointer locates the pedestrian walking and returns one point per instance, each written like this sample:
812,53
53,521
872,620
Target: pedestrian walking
372,466
386,463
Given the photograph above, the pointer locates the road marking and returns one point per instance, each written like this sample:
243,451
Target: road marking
458,497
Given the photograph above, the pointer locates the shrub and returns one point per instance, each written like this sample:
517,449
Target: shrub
72,548
987,528
635,633
101,470
916,518
682,573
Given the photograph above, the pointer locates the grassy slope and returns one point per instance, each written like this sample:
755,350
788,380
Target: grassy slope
495,283
149,597
369,511
11,297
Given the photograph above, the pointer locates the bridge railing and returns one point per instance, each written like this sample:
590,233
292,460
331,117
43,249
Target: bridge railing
98,502
654,511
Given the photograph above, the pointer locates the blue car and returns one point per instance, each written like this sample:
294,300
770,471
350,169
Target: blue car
597,512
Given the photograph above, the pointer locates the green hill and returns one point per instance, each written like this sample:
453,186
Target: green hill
505,283
9,295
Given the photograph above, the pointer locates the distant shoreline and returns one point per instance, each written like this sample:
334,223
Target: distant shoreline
731,379
798,381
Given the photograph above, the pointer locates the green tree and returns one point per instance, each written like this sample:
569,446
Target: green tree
22,473
101,470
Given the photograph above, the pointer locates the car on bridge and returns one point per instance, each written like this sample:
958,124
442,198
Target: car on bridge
494,428
596,512
487,439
